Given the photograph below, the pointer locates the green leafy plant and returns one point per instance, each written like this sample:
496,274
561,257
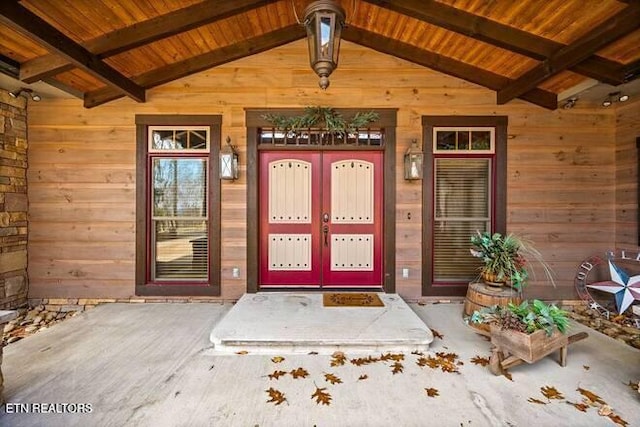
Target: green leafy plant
322,117
526,317
506,258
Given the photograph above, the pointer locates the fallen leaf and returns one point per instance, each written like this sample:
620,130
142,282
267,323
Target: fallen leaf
591,396
313,353
586,368
277,359
338,358
437,334
397,368
417,353
582,407
634,386
276,396
422,303
605,411
332,379
616,419
363,377
299,373
364,360
482,361
276,375
432,392
242,352
551,393
321,396
533,400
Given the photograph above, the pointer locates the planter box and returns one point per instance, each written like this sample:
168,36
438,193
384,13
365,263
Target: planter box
528,347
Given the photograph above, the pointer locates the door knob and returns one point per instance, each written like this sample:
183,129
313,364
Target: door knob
325,217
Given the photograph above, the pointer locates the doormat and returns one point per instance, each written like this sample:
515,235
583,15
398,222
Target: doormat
345,299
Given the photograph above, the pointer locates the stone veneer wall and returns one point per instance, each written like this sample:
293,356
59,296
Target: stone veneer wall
13,201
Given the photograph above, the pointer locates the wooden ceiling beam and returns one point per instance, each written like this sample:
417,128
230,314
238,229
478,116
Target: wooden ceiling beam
142,33
612,29
203,62
443,64
497,34
19,18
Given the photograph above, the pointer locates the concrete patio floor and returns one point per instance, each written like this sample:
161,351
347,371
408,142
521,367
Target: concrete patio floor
151,365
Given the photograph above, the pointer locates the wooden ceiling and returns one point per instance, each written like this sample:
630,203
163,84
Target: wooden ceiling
102,50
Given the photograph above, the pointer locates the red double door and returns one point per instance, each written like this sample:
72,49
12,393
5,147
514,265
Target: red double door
321,219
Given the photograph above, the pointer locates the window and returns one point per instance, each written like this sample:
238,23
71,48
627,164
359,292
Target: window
178,223
463,192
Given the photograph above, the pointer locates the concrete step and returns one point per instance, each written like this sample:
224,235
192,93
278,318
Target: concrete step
290,323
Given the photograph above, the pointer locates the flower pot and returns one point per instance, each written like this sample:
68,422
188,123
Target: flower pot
491,279
528,347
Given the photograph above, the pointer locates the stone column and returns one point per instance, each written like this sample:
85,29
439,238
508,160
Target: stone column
5,317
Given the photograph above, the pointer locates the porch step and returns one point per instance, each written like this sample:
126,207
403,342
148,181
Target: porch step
279,323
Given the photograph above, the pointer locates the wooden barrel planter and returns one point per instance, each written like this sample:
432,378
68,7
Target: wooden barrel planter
480,295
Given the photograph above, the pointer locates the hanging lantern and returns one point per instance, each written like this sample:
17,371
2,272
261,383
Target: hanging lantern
324,21
228,162
413,159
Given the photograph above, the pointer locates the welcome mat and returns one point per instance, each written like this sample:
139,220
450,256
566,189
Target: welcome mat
347,299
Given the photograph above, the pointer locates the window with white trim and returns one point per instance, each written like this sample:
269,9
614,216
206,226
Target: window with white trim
464,191
178,203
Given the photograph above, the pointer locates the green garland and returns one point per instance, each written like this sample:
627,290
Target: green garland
315,116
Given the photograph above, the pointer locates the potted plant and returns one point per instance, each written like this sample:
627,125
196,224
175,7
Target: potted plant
506,259
527,331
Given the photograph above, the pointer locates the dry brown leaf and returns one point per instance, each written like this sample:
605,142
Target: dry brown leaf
363,377
242,352
321,396
482,361
591,396
533,400
364,360
332,379
276,396
551,393
437,334
397,357
634,386
586,368
582,407
417,353
277,359
313,353
299,373
616,419
432,392
397,368
605,411
338,358
276,374
422,303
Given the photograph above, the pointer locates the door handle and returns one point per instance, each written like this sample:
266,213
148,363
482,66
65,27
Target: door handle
325,231
325,218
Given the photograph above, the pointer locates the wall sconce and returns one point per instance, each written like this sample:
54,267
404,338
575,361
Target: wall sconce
229,161
614,97
413,159
34,96
324,21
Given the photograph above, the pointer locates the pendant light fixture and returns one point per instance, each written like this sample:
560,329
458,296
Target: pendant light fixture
324,21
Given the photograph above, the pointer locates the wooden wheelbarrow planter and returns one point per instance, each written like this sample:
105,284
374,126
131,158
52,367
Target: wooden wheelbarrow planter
512,348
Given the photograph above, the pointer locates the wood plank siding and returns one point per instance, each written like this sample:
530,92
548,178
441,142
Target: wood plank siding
563,168
627,152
